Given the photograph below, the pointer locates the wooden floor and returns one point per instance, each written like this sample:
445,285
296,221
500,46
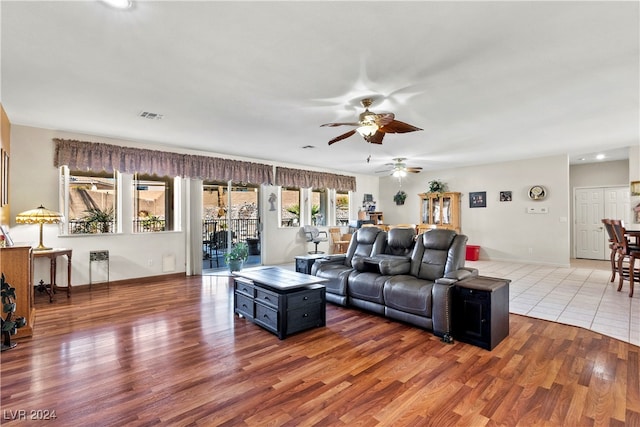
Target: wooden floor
172,353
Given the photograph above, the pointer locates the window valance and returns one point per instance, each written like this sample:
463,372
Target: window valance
287,177
82,155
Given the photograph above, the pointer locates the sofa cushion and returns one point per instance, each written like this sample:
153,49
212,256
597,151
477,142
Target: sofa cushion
431,254
366,286
400,241
409,294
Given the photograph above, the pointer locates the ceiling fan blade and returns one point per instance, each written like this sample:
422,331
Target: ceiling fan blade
376,138
383,119
343,136
384,171
397,126
339,124
414,170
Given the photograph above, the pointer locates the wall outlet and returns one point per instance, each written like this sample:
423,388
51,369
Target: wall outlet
150,262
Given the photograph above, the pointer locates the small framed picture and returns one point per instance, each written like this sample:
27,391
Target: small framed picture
478,199
505,196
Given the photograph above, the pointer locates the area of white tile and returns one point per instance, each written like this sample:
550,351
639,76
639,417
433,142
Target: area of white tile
581,295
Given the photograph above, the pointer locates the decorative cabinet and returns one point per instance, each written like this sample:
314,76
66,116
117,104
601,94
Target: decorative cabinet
281,312
480,311
15,264
439,210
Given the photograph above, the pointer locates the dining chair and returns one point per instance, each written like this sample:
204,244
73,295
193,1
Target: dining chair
338,244
613,246
626,253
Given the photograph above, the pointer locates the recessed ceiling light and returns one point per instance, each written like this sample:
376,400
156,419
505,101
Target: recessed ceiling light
118,4
600,156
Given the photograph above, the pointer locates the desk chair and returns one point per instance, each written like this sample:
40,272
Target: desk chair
316,236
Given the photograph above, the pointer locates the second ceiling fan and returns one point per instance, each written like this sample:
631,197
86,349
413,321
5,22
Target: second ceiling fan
399,168
373,126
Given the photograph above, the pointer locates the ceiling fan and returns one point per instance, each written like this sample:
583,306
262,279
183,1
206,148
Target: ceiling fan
373,126
399,168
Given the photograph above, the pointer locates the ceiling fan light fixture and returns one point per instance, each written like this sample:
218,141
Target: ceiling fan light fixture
399,173
367,130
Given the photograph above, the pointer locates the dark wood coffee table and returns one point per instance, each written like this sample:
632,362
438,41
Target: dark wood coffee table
281,301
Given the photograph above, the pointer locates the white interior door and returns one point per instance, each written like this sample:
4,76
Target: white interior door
589,231
591,205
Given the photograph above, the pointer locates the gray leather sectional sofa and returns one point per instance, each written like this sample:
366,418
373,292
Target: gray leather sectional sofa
399,275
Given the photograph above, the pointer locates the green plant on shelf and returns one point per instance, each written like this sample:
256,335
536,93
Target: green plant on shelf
437,186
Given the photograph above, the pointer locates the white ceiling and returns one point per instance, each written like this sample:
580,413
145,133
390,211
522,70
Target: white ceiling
487,81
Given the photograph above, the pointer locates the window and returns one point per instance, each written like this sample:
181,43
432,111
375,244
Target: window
289,207
342,208
89,201
153,203
319,207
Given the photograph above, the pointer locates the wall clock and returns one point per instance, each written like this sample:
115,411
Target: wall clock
537,192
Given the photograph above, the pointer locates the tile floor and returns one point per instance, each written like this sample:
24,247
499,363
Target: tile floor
580,295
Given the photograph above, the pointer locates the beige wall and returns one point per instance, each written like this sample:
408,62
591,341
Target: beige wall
503,230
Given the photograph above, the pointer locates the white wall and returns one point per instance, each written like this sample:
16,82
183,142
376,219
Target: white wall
34,181
503,230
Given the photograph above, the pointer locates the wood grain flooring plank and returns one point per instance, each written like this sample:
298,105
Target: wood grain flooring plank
123,355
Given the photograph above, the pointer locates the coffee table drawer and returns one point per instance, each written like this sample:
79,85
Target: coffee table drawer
304,318
246,287
267,297
267,317
244,305
305,297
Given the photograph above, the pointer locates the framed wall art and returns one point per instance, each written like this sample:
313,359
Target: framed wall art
478,199
505,196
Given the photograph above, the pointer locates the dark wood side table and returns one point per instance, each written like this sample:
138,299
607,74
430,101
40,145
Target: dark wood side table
480,312
53,255
305,262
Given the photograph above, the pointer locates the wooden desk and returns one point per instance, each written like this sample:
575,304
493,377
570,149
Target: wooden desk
53,255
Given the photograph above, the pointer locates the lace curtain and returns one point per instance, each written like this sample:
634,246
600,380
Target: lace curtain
287,177
82,155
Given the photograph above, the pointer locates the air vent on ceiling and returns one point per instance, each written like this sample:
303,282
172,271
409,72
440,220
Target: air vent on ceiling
151,116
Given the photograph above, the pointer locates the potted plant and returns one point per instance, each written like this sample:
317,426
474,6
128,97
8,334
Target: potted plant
400,197
236,257
436,186
99,220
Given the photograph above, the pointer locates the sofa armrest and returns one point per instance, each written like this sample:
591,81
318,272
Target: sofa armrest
392,266
457,275
333,259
